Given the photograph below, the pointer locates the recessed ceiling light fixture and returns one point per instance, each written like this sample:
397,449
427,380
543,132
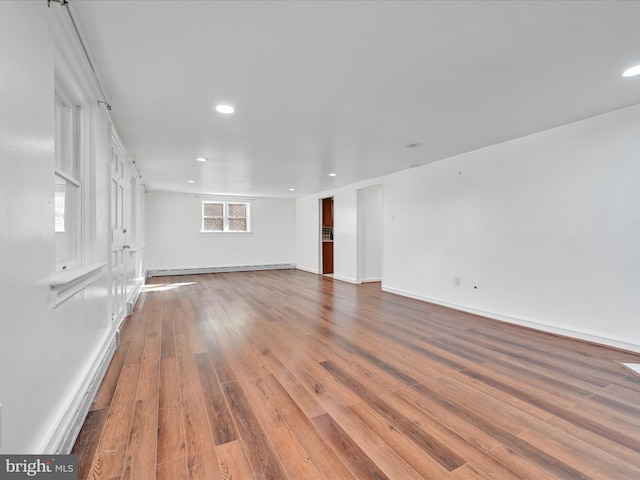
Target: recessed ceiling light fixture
292,189
201,159
413,145
191,181
225,109
333,174
631,72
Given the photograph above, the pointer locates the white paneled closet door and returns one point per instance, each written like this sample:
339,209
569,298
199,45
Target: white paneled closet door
119,244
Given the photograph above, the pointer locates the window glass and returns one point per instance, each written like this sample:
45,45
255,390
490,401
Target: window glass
67,185
225,217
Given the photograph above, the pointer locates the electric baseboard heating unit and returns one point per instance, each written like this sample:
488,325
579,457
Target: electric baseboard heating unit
237,268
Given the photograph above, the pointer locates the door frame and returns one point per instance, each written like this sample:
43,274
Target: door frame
118,229
322,233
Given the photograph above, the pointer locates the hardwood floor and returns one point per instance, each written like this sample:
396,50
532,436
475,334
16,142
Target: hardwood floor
288,375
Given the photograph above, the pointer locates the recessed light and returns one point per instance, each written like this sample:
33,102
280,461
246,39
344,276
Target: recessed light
201,159
632,72
333,174
292,189
225,109
191,181
413,145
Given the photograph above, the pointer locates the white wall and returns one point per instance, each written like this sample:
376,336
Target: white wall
370,233
307,236
26,150
545,226
174,241
345,235
50,353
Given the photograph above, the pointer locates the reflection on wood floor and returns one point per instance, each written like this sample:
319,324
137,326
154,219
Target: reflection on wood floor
289,375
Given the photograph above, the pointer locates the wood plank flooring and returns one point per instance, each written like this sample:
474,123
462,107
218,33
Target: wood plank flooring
288,375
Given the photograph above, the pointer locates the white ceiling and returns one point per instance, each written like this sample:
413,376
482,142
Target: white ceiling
343,87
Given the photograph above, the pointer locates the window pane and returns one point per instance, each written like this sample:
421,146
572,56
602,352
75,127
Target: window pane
213,225
237,210
213,209
67,222
59,202
66,158
238,224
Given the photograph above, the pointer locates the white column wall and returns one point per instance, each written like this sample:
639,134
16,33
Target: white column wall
370,233
27,241
307,234
345,235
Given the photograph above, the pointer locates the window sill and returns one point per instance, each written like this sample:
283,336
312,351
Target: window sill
225,234
67,283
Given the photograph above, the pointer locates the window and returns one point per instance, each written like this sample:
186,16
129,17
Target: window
67,184
225,217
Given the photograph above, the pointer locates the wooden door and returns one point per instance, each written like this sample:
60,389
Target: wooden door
327,257
327,235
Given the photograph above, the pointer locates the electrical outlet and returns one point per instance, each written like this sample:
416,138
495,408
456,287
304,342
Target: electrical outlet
456,281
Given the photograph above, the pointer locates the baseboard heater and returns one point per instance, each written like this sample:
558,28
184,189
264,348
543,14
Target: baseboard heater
237,268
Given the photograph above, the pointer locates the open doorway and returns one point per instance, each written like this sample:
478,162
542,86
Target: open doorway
326,250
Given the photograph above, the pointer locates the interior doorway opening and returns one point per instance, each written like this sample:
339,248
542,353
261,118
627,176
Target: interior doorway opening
326,233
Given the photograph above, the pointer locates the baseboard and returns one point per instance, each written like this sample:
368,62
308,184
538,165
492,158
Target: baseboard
633,367
547,328
134,298
371,280
118,321
344,279
235,268
308,270
67,430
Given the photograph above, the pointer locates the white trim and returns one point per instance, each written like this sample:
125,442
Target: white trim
345,279
634,367
234,268
64,434
67,177
66,278
204,233
226,218
371,280
574,334
67,283
133,299
309,270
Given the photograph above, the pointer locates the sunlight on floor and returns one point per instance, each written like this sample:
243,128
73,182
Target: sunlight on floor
161,287
633,366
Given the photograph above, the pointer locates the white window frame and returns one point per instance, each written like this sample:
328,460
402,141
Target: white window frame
74,84
225,217
69,231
